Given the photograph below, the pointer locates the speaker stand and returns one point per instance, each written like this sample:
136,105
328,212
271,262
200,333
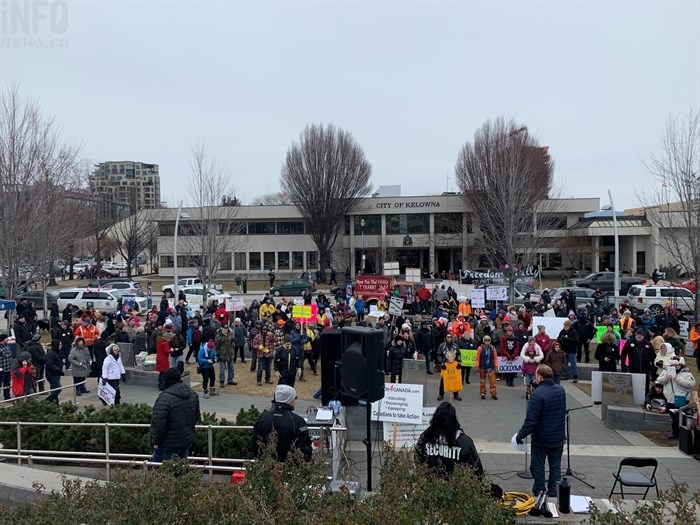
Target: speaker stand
368,445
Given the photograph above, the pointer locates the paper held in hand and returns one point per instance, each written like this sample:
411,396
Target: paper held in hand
516,446
106,392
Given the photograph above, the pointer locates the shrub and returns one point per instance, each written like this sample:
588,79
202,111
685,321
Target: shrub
230,444
290,493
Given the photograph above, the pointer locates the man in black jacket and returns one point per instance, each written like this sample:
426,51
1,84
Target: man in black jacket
425,343
22,333
289,428
36,350
640,354
568,339
287,360
175,414
65,336
546,411
584,329
54,370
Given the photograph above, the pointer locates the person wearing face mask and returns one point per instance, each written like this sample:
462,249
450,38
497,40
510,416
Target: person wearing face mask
113,371
639,355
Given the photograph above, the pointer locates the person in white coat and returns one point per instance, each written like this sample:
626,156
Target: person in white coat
532,356
678,383
113,371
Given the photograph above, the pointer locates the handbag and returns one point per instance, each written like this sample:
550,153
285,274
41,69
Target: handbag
679,400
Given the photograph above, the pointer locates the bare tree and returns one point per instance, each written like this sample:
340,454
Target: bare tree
37,171
324,174
210,234
271,199
133,235
674,206
506,178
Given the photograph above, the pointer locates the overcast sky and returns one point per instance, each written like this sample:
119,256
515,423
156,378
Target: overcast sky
143,81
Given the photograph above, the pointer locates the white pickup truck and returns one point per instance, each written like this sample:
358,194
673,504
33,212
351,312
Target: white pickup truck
169,289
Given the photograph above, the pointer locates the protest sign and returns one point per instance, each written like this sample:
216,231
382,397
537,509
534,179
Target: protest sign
400,435
467,357
395,305
402,403
509,367
477,298
234,304
601,329
497,293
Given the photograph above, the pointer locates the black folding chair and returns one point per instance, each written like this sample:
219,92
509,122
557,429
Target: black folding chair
634,476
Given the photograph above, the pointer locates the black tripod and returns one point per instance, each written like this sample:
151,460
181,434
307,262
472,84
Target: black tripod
570,473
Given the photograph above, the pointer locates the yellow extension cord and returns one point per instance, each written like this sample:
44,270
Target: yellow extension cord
522,503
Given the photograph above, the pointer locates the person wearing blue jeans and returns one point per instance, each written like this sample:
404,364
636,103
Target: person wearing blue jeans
544,421
568,338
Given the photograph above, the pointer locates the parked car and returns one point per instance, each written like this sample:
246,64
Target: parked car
656,297
126,287
103,300
293,287
605,281
340,289
37,297
583,295
193,295
169,289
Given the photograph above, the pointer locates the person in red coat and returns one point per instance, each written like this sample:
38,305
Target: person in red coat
221,315
163,350
510,349
22,375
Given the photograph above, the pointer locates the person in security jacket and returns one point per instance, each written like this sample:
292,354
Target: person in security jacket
289,428
286,362
444,444
175,414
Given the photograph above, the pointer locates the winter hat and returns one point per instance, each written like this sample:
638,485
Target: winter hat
285,394
659,384
287,338
3,337
483,318
36,338
168,322
398,338
237,320
556,344
55,343
572,315
640,331
669,348
210,344
171,376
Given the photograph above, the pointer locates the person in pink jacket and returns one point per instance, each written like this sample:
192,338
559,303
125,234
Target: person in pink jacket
542,339
532,356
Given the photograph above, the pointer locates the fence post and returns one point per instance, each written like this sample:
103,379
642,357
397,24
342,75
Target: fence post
109,465
75,396
210,452
30,461
19,443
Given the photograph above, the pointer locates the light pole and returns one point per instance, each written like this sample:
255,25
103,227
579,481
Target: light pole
362,230
616,281
177,227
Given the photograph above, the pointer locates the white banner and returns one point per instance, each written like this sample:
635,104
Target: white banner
497,293
477,297
234,304
106,392
400,435
402,403
509,367
413,275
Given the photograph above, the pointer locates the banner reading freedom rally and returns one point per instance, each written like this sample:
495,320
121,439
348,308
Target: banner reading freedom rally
525,275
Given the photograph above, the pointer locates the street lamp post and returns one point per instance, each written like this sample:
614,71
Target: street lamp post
177,227
362,230
616,280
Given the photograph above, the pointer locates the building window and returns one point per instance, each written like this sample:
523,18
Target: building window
269,260
555,260
295,228
239,261
551,222
297,260
225,261
283,260
407,223
311,260
166,261
166,229
373,224
261,228
232,228
448,223
254,261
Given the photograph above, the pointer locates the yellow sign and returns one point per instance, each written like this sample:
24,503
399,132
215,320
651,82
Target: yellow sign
451,377
302,312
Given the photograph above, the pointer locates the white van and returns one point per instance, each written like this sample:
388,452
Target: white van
656,297
103,300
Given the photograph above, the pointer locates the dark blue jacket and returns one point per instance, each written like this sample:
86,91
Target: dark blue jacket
545,416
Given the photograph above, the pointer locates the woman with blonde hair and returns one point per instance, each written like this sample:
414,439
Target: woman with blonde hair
607,353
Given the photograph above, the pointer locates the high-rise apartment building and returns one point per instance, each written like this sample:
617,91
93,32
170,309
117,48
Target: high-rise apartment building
133,183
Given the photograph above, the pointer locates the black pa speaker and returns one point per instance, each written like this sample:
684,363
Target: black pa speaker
363,363
331,354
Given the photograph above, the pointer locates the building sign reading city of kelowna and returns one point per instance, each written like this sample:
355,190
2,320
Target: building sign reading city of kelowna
408,204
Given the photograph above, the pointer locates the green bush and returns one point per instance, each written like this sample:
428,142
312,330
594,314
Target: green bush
226,443
288,493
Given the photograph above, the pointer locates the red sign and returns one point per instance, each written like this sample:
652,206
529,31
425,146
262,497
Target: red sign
373,285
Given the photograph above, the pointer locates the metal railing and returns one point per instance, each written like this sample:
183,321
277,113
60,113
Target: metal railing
108,458
46,392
